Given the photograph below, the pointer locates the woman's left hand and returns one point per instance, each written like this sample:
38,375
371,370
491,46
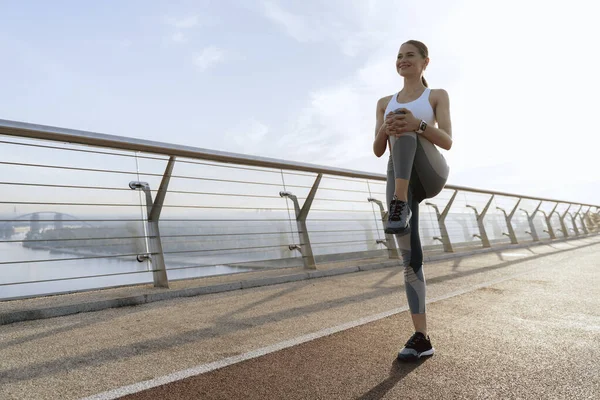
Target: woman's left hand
402,123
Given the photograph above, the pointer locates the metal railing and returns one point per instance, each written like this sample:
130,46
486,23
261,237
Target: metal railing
81,210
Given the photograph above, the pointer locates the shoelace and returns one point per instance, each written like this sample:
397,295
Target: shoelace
396,211
414,339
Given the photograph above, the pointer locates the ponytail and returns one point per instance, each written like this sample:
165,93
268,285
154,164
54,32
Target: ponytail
424,81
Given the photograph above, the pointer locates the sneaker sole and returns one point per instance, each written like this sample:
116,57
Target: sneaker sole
427,353
397,231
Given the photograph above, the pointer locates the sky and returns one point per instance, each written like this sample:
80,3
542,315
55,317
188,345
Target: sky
299,80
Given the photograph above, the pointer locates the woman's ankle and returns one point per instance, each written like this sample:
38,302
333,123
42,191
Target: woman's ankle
401,197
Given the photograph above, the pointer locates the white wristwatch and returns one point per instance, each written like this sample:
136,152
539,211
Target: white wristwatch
422,127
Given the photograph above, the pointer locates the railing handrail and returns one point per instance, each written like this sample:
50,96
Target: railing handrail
45,132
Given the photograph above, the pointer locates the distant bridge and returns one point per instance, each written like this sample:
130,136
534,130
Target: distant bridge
38,220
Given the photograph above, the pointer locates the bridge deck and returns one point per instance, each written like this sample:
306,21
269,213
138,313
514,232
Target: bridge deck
522,323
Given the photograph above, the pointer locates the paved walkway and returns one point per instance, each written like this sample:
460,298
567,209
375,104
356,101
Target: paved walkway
522,323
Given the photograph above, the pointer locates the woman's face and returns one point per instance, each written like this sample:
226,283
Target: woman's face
409,61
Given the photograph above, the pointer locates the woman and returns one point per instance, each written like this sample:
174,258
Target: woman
416,171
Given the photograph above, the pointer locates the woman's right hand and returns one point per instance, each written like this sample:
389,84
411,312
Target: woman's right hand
392,124
384,128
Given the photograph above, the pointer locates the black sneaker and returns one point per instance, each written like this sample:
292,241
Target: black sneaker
417,346
399,218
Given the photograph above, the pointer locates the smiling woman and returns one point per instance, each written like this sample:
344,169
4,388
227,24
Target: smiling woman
416,171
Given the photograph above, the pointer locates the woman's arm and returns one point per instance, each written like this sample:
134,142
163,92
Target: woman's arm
381,137
442,135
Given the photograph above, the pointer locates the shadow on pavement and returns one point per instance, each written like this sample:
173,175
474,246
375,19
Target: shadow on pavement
398,371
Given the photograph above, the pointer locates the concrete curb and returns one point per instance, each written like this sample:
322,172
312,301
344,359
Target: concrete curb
59,311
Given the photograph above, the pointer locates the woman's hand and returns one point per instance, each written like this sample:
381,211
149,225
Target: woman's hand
398,124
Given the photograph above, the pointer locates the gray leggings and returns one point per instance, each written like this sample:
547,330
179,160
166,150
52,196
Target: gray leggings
418,160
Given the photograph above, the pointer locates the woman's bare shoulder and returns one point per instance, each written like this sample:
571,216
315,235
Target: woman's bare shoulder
439,93
438,97
383,102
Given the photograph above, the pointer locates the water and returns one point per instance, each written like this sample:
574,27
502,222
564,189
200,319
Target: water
190,257
67,273
192,249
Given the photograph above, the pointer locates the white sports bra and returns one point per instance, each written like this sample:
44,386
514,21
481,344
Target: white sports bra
421,108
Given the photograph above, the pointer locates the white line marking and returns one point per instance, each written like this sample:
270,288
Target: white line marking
204,368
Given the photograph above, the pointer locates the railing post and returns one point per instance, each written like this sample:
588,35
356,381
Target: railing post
594,220
548,218
154,209
583,218
301,213
482,234
563,226
441,217
530,220
389,241
574,221
511,232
